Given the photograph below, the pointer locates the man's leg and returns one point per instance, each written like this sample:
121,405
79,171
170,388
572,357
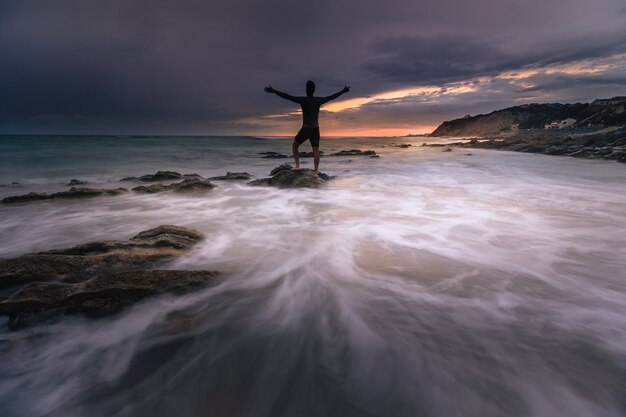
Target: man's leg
296,154
316,157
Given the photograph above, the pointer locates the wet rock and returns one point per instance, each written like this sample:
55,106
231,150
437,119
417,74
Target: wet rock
279,168
161,176
375,156
354,152
273,155
283,177
188,185
403,145
232,176
81,262
74,181
32,196
100,296
76,192
448,150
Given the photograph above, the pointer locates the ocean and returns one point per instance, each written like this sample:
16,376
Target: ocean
421,283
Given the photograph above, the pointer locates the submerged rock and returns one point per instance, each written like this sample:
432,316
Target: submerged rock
273,155
354,152
100,296
161,176
76,192
32,196
284,177
84,261
189,185
232,176
73,192
74,181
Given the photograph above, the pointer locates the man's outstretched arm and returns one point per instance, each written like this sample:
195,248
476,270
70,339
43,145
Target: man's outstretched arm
270,89
337,94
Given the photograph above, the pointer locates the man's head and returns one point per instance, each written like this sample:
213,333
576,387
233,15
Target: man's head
310,88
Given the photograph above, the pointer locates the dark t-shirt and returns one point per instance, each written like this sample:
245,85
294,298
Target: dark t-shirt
310,110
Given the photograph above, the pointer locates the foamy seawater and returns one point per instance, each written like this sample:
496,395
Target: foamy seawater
421,283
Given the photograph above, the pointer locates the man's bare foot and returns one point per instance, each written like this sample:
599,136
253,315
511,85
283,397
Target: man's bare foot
315,174
296,168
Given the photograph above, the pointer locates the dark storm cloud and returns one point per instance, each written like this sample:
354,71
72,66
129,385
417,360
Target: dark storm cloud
199,66
426,61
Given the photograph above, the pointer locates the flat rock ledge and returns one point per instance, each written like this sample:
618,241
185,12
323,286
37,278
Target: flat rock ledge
283,177
101,296
189,185
232,176
81,262
74,192
162,176
97,278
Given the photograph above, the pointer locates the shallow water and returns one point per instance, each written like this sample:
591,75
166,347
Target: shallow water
421,283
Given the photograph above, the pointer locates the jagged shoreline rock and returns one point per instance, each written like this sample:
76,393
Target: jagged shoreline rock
97,278
189,185
604,146
74,192
84,261
232,176
284,177
101,296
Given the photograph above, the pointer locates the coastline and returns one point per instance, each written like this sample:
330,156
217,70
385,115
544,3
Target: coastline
609,146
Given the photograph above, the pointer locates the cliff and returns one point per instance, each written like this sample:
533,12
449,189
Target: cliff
534,116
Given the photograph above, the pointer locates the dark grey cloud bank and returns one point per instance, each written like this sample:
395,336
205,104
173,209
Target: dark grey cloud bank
196,67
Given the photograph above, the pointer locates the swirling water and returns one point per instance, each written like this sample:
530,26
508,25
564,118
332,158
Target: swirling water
421,283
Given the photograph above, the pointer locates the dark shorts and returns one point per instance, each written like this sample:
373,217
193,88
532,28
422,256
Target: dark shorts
312,133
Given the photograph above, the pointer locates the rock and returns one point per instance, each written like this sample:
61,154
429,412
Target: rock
232,176
161,176
73,192
153,188
76,192
622,158
84,261
283,177
74,181
192,186
279,168
273,155
375,156
100,296
448,150
189,185
32,196
403,145
353,152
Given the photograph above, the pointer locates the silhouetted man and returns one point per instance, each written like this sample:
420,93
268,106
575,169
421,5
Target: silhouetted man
310,115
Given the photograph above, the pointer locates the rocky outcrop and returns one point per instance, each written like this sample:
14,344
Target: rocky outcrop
354,152
162,176
232,176
32,196
190,185
533,116
74,181
74,192
103,295
607,146
84,261
284,177
97,278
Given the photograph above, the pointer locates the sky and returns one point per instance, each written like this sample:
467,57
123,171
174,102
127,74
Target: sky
198,67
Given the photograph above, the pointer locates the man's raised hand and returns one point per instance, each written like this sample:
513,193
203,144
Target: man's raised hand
269,89
345,89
